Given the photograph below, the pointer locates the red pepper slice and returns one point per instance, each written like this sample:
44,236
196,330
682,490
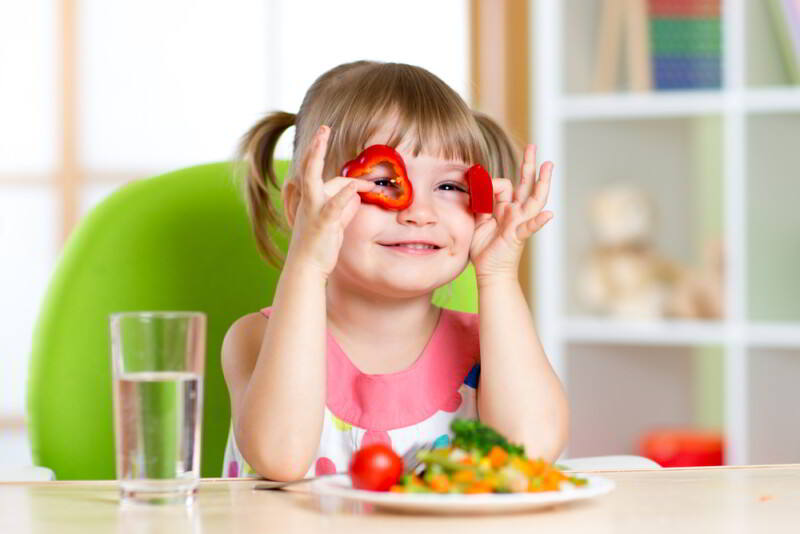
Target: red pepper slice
375,155
481,193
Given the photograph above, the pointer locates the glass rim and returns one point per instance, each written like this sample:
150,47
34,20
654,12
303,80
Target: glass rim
157,314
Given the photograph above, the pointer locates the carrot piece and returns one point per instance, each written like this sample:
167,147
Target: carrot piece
537,467
521,465
535,485
498,456
481,486
440,483
552,480
397,489
464,477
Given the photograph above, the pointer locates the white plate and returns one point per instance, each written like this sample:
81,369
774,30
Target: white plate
486,503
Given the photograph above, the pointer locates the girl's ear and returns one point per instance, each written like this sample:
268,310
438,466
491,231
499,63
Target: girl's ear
290,196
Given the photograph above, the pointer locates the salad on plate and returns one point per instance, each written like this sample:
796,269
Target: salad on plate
479,460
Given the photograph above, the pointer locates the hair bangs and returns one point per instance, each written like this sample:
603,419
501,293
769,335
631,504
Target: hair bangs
427,116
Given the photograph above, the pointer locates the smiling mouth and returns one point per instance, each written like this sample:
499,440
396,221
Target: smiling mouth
412,246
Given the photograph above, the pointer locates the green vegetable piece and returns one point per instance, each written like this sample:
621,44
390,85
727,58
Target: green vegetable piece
435,459
471,434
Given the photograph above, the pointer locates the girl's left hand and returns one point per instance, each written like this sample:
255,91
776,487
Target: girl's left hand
499,237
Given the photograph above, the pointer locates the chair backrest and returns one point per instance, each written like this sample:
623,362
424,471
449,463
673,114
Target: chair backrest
179,241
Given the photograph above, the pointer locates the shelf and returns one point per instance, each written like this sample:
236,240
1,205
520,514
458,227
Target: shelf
674,164
644,332
642,105
774,335
774,100
774,436
614,399
676,104
670,332
772,218
718,165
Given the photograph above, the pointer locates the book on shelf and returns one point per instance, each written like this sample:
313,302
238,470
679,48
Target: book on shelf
670,44
623,20
786,18
686,39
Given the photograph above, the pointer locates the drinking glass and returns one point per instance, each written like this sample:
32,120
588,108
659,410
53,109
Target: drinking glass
158,361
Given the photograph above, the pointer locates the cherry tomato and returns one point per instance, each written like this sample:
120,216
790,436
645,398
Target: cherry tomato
375,467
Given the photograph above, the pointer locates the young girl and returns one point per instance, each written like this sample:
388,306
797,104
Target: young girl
352,350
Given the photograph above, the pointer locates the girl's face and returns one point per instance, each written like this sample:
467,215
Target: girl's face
410,252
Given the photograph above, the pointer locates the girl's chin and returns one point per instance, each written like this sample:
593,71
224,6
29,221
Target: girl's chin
407,285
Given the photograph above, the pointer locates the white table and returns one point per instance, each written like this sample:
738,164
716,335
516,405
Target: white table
675,501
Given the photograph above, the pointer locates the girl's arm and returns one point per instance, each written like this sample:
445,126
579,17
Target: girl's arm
277,380
519,394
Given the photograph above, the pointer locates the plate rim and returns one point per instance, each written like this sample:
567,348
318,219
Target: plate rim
596,487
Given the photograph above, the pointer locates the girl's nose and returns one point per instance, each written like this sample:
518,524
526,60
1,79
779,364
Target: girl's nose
419,213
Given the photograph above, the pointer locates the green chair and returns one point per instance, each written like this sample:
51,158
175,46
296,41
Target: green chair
179,241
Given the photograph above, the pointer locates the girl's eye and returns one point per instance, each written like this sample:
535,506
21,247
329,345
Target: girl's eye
385,182
453,187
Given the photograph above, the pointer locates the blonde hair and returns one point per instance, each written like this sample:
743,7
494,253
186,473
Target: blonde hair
355,99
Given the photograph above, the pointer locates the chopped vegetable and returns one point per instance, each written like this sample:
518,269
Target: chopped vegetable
481,194
471,435
375,467
480,460
498,456
375,155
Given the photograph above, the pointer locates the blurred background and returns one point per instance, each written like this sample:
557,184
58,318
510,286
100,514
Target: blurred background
666,289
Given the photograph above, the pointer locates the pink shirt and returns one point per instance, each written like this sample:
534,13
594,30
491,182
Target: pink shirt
400,408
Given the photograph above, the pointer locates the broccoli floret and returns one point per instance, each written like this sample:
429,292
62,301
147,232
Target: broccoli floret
474,435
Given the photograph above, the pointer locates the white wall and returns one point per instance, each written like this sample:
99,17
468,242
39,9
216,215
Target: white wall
164,85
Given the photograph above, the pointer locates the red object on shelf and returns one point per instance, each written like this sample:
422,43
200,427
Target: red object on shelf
683,447
698,9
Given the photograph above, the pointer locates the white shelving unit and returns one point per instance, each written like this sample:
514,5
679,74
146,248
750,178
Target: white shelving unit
627,377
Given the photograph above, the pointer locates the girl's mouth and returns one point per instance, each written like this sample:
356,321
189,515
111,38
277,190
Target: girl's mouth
415,247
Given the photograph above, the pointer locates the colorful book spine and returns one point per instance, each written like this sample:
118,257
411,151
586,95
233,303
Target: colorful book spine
786,17
686,44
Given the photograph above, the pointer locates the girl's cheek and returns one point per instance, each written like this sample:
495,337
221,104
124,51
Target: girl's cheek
454,198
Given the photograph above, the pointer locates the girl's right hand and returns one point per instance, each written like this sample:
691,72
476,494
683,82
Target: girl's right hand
324,210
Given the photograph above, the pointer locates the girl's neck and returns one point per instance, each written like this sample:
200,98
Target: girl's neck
366,320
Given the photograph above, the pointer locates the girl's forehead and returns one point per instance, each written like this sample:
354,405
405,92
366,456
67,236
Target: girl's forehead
429,156
432,162
433,159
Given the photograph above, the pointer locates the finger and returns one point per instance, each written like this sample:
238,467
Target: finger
312,177
481,218
503,189
333,208
542,190
527,174
511,217
525,230
334,185
530,208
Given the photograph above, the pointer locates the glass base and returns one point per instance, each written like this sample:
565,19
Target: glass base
158,492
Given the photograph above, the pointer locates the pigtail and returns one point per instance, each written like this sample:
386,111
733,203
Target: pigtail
257,149
502,156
